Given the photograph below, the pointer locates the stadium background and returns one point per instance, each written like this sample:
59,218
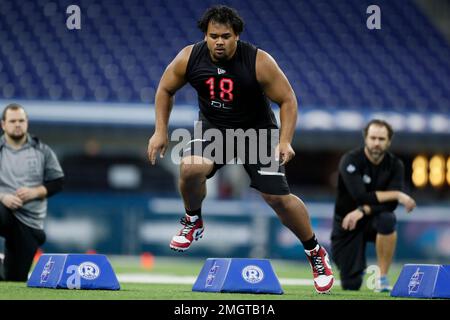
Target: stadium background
90,93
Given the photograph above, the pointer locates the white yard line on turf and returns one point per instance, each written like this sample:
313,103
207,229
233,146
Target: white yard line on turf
170,279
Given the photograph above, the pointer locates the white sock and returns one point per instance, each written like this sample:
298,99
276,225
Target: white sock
192,218
308,252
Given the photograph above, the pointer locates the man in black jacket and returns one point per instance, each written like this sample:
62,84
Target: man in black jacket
370,186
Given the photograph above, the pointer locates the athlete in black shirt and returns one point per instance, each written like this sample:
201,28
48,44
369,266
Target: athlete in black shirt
234,81
229,94
369,189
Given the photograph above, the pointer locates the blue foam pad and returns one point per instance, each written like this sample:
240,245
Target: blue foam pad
74,271
423,281
237,275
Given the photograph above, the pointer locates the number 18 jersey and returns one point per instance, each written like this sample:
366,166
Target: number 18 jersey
229,95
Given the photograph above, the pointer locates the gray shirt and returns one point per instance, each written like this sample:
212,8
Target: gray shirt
30,166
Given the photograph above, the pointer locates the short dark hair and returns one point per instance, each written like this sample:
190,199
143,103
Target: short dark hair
223,15
380,123
11,106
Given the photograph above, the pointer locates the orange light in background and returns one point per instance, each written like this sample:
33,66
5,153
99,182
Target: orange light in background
420,171
437,171
448,171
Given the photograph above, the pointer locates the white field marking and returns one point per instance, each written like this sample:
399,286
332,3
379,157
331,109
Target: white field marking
171,279
270,173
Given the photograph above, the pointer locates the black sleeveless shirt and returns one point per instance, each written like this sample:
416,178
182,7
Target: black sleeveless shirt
229,95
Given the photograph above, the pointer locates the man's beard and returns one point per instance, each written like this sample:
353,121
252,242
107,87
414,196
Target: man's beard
376,153
17,136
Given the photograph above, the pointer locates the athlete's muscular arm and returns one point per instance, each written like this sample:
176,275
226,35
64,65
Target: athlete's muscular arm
171,81
278,89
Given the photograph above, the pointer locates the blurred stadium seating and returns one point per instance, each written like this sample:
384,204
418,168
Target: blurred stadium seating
327,53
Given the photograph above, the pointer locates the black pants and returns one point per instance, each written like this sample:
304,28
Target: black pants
21,244
348,248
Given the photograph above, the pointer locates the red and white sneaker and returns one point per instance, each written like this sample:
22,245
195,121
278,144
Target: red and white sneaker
321,268
192,230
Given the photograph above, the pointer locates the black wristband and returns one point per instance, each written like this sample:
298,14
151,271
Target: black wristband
361,208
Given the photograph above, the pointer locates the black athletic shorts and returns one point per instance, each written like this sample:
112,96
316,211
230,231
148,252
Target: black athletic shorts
266,176
348,248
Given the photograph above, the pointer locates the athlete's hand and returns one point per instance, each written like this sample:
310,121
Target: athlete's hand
407,201
351,219
26,194
12,202
284,153
157,143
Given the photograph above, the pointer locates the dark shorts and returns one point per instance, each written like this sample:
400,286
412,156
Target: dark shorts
348,248
253,153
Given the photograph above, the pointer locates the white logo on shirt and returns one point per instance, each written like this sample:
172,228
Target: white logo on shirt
367,179
220,71
351,168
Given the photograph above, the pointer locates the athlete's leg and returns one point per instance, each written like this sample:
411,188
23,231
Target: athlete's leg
194,171
292,213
